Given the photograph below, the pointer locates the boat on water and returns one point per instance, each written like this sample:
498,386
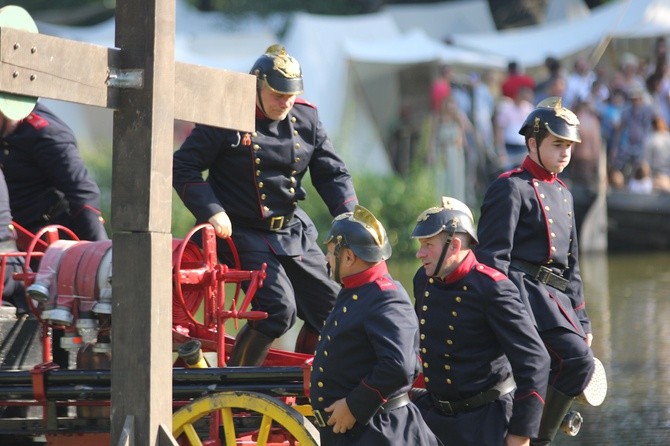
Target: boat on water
638,221
634,222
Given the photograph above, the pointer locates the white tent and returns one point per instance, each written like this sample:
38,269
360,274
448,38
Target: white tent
353,68
208,39
440,20
531,45
565,10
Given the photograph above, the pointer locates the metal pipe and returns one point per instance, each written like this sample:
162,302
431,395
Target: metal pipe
187,383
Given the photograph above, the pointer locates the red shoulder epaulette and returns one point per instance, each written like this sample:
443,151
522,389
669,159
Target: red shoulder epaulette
304,102
493,273
384,283
509,173
36,121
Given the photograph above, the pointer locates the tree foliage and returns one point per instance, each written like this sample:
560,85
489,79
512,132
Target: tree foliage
506,13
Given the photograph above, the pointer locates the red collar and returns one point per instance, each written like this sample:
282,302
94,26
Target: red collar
462,269
538,171
369,275
259,113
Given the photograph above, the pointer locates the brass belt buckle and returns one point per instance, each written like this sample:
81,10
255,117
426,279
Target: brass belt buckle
543,274
276,223
447,408
319,418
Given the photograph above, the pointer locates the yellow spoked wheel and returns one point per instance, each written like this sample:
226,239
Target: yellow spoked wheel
242,418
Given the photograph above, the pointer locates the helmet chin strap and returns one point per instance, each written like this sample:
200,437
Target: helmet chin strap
336,271
450,237
259,87
536,130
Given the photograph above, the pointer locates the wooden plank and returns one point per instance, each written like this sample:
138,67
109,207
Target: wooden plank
51,67
141,337
44,66
141,221
215,97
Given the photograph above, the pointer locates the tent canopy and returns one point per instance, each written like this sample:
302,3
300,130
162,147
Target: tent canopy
531,45
440,20
353,68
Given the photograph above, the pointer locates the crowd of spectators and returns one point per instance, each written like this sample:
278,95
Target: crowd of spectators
625,115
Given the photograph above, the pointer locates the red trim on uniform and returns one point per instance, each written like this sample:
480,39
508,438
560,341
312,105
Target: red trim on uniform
509,173
463,269
492,273
541,174
90,208
354,198
531,394
538,171
252,156
36,121
565,313
372,274
559,361
304,102
381,397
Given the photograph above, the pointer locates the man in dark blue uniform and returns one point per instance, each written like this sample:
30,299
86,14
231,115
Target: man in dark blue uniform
477,340
252,195
47,180
527,230
13,291
367,355
48,183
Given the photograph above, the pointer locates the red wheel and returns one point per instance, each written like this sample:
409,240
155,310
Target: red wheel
194,274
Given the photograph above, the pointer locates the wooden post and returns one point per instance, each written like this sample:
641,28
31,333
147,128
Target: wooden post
160,91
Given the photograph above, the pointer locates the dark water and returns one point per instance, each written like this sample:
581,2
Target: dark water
628,299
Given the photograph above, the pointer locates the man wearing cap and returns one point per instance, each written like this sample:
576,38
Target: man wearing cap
478,342
527,231
367,355
252,194
13,291
47,180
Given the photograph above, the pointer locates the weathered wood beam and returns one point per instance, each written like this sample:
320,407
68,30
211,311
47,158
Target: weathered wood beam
51,67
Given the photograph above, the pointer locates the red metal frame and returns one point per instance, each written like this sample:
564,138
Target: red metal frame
198,280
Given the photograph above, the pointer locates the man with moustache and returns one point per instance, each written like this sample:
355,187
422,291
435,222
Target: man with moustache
252,194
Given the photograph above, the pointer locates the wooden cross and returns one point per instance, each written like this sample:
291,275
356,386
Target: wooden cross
140,80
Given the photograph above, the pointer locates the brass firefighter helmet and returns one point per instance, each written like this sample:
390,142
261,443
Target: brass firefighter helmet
361,232
280,71
556,119
453,215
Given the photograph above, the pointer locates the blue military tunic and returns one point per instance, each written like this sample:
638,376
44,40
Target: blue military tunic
13,290
256,178
47,180
527,215
475,333
368,353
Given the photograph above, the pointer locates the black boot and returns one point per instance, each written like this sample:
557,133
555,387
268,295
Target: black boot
556,406
307,339
251,347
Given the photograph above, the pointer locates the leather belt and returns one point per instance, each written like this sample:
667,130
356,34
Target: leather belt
276,223
321,416
488,396
541,273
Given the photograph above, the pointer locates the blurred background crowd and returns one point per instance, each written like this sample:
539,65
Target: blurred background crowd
475,118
